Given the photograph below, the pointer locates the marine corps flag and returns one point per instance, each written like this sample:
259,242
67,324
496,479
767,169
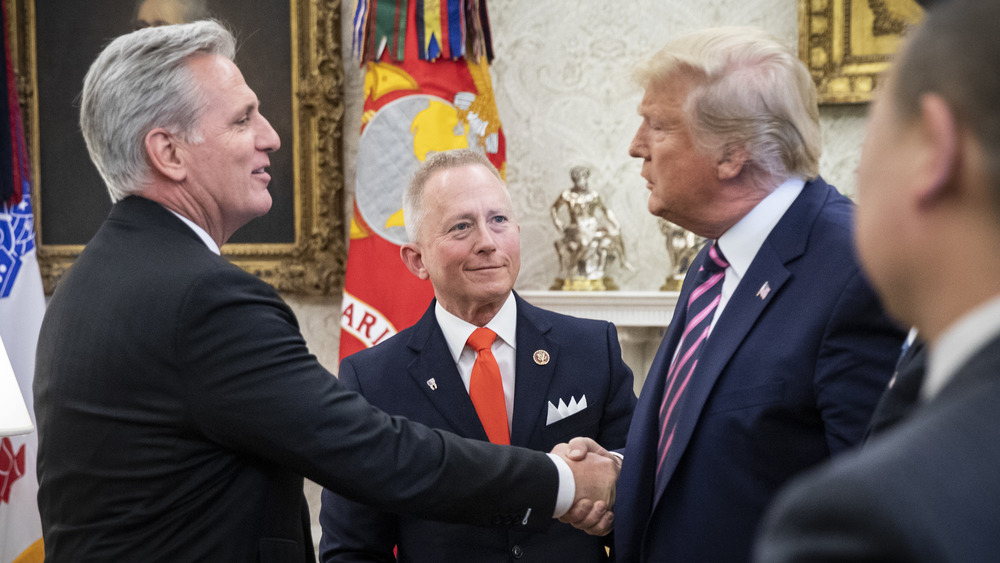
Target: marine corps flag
427,89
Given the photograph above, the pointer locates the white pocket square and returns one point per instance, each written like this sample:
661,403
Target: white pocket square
563,410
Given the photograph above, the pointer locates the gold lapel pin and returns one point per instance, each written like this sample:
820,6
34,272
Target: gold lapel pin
541,357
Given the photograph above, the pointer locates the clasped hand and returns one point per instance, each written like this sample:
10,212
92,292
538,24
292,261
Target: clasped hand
595,472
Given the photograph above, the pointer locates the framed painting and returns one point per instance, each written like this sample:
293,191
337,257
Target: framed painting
847,44
289,52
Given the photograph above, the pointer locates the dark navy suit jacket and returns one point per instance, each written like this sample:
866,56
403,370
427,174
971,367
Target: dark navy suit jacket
789,376
584,360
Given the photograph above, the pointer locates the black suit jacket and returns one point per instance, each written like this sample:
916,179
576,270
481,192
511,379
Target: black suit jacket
584,361
926,490
178,409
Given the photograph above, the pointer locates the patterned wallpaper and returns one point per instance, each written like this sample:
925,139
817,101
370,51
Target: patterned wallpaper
562,83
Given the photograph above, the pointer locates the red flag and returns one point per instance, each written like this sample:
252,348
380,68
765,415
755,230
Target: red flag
427,89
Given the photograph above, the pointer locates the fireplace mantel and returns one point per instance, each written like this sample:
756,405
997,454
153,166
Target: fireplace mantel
640,316
623,308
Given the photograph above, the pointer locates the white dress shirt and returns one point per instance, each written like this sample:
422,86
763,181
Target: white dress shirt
504,324
958,343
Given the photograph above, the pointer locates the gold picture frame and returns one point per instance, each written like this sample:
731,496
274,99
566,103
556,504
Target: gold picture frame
847,44
305,252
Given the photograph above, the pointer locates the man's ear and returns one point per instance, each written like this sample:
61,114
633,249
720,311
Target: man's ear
165,155
939,135
414,260
734,158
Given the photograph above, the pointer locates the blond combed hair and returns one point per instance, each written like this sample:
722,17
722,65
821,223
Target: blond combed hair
751,92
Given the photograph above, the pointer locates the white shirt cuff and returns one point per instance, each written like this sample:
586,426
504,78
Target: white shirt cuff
567,486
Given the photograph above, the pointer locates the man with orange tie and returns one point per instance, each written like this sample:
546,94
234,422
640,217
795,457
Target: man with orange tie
481,363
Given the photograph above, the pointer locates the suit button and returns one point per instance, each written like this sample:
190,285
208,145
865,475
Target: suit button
517,552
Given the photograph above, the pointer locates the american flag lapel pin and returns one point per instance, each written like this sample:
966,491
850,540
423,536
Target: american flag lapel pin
432,384
764,290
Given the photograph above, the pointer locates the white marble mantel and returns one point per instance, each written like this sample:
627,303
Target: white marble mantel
641,318
623,308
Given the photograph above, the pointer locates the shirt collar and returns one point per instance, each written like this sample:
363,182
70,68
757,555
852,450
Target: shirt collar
457,331
742,241
958,343
202,234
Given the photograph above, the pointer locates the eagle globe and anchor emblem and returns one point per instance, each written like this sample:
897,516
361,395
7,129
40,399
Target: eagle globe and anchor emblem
430,124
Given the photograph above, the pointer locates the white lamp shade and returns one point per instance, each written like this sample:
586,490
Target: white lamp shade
14,417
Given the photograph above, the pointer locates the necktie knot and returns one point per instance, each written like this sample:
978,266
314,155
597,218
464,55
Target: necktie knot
481,339
716,261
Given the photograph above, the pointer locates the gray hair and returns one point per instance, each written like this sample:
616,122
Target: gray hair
955,53
413,197
752,93
140,81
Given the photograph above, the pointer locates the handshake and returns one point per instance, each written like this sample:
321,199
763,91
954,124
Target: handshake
595,471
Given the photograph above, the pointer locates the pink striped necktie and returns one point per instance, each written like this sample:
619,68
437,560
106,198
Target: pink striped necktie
701,306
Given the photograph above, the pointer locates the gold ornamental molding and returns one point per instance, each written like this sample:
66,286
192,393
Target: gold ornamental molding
848,44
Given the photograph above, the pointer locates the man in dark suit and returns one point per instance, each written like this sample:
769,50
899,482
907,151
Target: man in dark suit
778,349
561,376
178,407
928,232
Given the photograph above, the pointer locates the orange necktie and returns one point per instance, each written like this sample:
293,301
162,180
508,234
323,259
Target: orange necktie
486,387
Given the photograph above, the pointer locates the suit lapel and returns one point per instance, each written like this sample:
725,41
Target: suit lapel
531,390
748,301
447,394
761,285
